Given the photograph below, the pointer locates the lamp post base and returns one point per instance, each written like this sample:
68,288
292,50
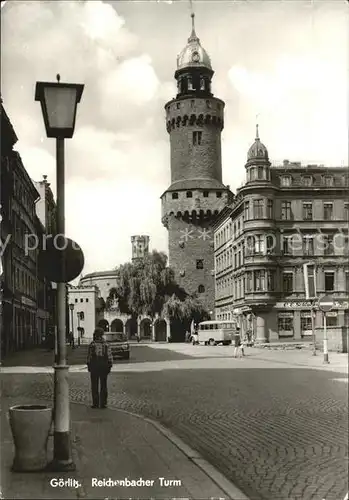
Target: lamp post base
62,460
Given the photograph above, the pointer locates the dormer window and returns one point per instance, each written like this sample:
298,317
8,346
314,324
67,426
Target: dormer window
328,180
307,180
286,180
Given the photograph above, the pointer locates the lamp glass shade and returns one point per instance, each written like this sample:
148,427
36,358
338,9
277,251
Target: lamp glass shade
71,307
59,103
60,106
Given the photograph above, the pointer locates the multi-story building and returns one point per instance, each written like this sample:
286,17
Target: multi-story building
20,279
47,291
194,121
282,217
84,312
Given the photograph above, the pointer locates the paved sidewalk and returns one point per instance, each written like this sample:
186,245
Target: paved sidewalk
111,444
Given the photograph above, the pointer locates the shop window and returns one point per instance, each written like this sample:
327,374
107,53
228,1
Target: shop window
285,325
331,320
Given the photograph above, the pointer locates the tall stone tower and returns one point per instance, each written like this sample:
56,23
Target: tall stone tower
194,121
140,247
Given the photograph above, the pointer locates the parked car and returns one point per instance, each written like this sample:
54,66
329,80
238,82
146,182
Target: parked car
119,345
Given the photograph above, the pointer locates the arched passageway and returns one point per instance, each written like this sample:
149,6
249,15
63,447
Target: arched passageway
131,328
117,326
145,328
103,323
160,330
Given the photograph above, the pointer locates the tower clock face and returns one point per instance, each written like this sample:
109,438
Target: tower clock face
195,57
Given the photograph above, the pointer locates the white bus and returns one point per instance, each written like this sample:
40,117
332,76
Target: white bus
216,332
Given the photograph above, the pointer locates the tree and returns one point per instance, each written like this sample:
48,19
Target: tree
148,287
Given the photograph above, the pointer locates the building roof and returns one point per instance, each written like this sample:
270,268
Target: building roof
100,274
202,184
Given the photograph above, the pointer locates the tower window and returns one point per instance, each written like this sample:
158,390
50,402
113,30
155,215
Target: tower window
189,194
208,104
199,264
219,194
201,288
178,105
175,196
205,193
192,103
197,136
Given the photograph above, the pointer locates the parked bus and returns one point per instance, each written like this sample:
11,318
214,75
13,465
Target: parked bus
216,332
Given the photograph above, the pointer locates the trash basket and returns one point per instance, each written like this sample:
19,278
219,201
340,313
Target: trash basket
30,426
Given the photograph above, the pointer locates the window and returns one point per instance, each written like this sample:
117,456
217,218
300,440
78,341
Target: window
328,211
285,326
197,138
178,105
219,194
258,209
247,210
287,245
86,300
76,300
328,180
270,244
286,181
201,288
175,196
346,211
307,211
270,281
287,282
307,180
270,209
189,194
192,103
260,173
306,322
249,281
259,245
199,264
329,281
81,300
205,194
331,320
208,103
328,245
308,245
259,280
286,213
81,315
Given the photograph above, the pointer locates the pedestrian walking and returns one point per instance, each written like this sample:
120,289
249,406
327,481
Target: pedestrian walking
99,364
237,348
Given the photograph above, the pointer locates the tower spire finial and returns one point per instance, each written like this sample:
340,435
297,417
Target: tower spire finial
257,126
192,15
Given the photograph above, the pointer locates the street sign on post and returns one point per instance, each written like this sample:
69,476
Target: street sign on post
325,305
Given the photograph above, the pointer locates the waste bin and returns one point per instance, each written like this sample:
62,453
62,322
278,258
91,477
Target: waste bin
30,426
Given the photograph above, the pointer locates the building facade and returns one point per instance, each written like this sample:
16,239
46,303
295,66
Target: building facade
282,217
84,312
20,222
194,121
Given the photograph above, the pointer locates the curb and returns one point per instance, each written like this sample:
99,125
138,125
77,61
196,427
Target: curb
232,491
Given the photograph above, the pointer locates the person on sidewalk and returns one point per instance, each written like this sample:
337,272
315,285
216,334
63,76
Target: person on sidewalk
99,364
237,348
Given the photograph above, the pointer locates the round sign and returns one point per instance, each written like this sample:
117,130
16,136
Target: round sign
52,250
326,303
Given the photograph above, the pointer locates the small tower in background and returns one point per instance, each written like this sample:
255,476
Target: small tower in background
140,247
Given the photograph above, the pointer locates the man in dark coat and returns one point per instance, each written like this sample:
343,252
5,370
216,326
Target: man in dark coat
99,364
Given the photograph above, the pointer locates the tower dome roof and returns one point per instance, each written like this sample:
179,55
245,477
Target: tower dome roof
193,55
257,151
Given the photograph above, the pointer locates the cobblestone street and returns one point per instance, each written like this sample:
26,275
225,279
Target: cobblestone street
278,434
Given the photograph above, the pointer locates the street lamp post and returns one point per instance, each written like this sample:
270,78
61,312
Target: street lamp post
71,307
59,104
78,315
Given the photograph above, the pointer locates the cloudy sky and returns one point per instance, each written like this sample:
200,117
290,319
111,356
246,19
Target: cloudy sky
286,61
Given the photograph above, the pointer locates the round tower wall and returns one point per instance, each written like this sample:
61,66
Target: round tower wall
188,244
185,116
